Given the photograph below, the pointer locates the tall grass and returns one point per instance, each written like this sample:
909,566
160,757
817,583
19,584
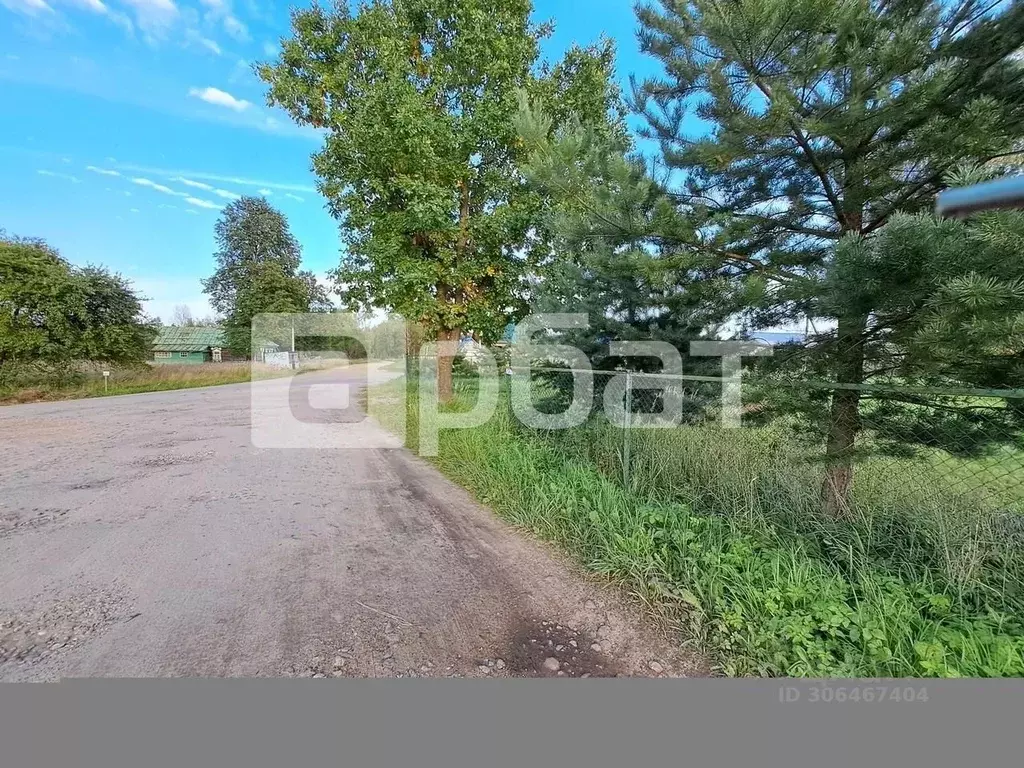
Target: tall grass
88,381
727,528
906,514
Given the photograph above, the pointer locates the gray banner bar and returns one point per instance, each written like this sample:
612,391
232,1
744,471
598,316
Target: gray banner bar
733,723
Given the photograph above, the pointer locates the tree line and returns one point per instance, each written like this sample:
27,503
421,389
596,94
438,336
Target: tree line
54,315
799,148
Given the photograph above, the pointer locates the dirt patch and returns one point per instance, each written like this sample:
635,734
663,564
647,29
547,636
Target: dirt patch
12,524
588,630
44,430
173,442
173,460
548,649
89,485
30,638
25,396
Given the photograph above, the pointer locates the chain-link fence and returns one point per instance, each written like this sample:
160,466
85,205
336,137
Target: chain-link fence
771,448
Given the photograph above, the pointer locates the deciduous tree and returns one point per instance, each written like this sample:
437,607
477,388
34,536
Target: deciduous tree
258,270
53,314
416,99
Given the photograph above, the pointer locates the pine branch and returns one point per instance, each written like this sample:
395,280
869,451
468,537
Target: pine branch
809,153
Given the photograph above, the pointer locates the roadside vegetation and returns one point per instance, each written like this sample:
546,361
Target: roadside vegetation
62,325
55,316
866,519
725,528
88,381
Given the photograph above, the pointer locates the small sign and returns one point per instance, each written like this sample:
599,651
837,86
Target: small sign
106,373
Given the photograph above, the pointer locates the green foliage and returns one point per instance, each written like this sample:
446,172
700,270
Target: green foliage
793,134
420,160
249,232
385,340
53,314
946,301
29,386
783,592
267,288
258,270
631,283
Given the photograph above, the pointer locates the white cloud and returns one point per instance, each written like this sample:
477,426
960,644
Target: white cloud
13,57
158,187
190,183
227,195
92,5
269,49
194,37
54,174
265,192
240,180
201,203
102,171
219,98
193,212
236,28
220,10
241,72
134,210
101,8
27,7
154,17
294,197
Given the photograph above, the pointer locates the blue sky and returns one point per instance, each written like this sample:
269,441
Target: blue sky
125,125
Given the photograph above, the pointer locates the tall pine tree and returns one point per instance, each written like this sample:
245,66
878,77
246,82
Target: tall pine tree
793,132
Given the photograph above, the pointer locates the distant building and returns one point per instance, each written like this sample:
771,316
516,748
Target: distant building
190,346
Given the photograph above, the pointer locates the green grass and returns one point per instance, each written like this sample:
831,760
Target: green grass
725,526
88,382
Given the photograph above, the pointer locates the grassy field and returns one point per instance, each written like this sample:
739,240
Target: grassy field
125,381
925,578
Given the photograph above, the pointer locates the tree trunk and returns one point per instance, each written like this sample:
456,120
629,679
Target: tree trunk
444,365
844,418
843,425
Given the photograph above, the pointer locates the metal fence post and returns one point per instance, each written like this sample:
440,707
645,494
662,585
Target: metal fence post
626,423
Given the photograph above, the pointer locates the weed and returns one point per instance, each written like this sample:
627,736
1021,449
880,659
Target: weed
728,529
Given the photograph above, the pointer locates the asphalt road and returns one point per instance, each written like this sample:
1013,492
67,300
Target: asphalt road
158,535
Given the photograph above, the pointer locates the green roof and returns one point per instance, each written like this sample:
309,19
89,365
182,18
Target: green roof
175,339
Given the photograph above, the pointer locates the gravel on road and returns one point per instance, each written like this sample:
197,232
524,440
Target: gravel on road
151,535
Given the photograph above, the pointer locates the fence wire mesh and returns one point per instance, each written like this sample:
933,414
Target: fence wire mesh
942,453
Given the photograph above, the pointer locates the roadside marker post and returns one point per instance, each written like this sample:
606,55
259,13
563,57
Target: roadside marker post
106,378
